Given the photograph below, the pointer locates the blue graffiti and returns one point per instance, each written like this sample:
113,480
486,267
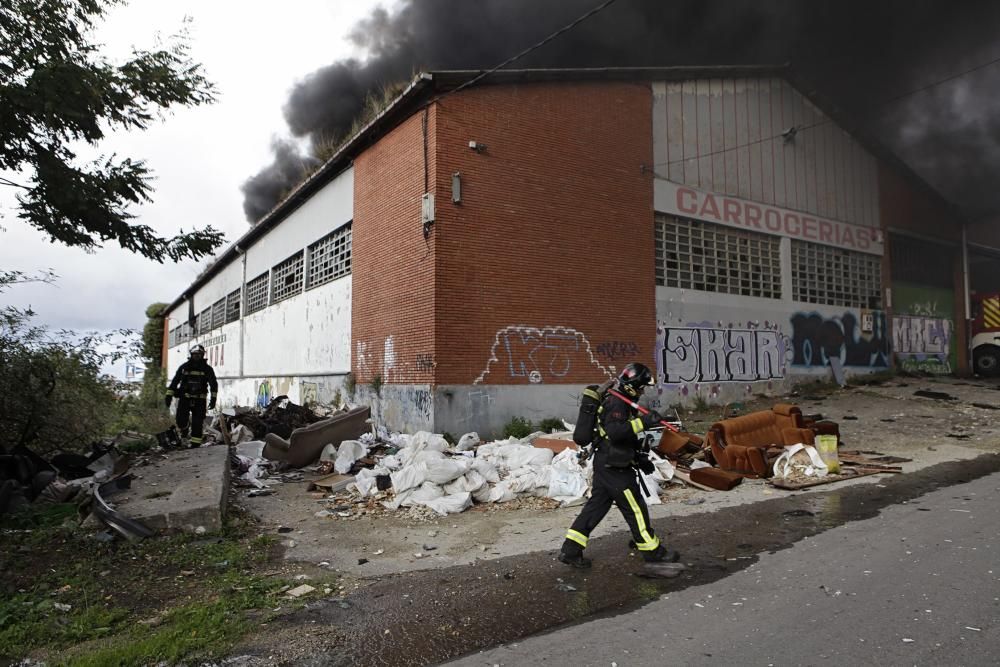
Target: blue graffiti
817,338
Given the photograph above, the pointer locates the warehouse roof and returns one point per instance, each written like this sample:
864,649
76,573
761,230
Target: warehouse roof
424,85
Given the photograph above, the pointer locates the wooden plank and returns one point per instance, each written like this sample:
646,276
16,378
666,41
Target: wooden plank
829,479
686,478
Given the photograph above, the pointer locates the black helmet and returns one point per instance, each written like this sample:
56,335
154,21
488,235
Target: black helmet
634,378
197,352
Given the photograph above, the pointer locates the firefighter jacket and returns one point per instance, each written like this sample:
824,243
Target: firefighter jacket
193,380
619,428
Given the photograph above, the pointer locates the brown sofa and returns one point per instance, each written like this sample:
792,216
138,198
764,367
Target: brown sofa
305,444
749,444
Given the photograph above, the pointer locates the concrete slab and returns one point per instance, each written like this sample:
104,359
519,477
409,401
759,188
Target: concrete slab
183,492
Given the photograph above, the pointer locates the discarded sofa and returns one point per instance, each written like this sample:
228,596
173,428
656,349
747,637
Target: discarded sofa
304,444
750,443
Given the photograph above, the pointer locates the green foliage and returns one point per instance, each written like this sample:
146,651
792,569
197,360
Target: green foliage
517,427
551,424
152,335
350,384
377,385
700,404
58,93
449,438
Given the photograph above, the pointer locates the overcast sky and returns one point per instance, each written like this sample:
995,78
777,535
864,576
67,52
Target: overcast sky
254,51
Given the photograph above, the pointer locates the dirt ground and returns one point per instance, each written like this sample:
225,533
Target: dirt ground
367,543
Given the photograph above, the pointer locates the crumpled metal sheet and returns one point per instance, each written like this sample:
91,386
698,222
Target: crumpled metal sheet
128,528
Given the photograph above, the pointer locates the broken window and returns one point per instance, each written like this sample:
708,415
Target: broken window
172,337
205,321
691,254
257,293
218,313
330,257
233,306
287,278
835,277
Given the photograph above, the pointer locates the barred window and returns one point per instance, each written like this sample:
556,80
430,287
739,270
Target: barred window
287,278
330,257
172,337
205,321
185,333
257,293
233,306
835,277
218,313
691,254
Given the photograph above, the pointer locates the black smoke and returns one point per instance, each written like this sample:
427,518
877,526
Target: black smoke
858,54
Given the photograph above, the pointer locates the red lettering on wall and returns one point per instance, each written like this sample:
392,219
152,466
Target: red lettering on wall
731,212
687,200
772,220
710,208
847,237
752,213
792,224
825,231
864,239
809,228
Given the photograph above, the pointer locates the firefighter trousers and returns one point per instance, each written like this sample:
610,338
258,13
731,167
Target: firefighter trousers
618,486
191,411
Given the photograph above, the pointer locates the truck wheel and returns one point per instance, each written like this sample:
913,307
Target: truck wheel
986,361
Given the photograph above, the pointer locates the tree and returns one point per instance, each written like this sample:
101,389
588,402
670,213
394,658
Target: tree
57,90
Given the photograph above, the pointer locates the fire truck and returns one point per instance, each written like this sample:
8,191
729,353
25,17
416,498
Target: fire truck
986,334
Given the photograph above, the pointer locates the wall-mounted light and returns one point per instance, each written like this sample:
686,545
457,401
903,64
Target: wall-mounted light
789,134
427,212
456,188
478,147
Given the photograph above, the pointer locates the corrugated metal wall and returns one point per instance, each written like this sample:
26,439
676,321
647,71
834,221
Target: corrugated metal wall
724,135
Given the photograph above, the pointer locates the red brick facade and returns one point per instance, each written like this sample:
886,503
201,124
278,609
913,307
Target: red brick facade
549,255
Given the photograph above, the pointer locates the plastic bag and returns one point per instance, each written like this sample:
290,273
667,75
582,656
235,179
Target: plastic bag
409,477
468,441
800,459
826,445
348,452
450,504
444,471
486,469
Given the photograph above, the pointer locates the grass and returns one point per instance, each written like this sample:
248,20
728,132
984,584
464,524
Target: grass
517,427
172,599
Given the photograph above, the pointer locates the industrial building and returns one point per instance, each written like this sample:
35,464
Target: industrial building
479,252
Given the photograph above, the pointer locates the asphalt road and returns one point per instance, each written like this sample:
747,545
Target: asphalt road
917,585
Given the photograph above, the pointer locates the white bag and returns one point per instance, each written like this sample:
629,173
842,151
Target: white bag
432,441
468,441
450,504
348,452
409,477
444,471
486,469
808,462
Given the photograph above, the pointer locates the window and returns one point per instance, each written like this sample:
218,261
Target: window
330,257
219,313
835,277
703,256
205,321
233,306
287,278
172,337
257,293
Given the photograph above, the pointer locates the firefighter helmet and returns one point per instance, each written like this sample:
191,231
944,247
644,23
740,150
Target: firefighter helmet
633,378
198,351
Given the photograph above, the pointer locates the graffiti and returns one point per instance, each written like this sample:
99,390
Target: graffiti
702,354
263,394
363,359
388,357
618,350
309,393
922,344
425,362
538,355
817,338
924,308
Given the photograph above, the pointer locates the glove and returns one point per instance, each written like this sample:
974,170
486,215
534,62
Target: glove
211,403
584,454
167,401
644,464
651,419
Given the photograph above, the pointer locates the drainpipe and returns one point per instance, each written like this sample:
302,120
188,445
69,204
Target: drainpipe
965,292
243,296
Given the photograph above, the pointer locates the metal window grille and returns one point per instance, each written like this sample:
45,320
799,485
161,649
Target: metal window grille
205,321
835,277
233,306
330,257
257,293
219,313
185,333
172,337
287,278
691,254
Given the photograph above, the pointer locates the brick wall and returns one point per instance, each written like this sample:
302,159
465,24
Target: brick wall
392,328
548,259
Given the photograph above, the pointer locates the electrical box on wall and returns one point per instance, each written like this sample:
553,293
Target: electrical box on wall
427,208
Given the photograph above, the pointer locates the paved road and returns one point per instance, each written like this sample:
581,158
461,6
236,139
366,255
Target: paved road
917,585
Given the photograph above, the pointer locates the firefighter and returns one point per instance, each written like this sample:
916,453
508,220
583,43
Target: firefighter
191,385
618,457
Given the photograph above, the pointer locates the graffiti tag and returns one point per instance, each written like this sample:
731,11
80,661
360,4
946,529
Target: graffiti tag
537,355
694,354
817,338
618,350
922,344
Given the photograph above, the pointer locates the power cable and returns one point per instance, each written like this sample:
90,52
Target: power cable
800,128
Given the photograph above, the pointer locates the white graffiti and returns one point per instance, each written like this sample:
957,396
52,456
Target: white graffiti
539,355
388,357
921,335
695,354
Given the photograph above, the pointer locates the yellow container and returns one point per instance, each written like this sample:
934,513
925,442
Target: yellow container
826,445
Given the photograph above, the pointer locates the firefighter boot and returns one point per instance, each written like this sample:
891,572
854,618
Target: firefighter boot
661,555
572,555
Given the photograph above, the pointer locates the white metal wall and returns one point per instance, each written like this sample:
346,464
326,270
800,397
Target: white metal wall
724,135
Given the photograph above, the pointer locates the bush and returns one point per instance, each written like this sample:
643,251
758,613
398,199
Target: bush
517,427
551,424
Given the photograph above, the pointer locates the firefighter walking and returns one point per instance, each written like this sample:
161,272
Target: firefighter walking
617,460
192,385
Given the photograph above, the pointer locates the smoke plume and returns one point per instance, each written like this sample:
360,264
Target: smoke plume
856,53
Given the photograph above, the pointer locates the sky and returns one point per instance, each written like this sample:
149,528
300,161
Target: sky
254,52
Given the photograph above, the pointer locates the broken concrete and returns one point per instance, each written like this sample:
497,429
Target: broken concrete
186,491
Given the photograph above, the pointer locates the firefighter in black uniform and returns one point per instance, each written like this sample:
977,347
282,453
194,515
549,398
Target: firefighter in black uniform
191,385
617,459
